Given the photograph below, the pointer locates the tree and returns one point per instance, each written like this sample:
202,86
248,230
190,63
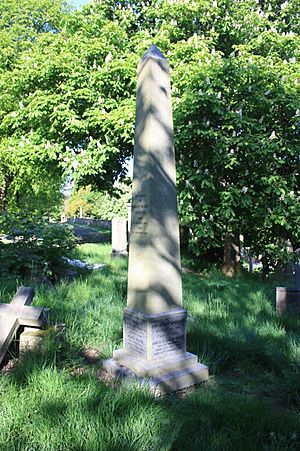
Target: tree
236,102
69,100
100,205
29,176
70,97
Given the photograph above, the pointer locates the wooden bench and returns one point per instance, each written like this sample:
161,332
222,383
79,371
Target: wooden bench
19,313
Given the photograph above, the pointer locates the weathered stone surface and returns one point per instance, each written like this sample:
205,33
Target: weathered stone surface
148,368
183,378
155,336
31,339
119,237
287,300
154,320
23,296
19,313
154,237
168,381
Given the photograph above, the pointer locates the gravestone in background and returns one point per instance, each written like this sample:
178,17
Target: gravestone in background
287,298
154,320
129,217
119,237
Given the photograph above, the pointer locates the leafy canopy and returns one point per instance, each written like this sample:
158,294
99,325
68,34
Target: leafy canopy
68,102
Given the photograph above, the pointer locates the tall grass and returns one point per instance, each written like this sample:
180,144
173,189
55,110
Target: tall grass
56,399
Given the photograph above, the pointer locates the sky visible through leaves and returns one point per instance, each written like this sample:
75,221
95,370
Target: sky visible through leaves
79,3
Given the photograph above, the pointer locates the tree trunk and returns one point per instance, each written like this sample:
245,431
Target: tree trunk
8,179
2,198
251,269
232,258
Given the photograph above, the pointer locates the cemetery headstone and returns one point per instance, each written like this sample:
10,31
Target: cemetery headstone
154,320
288,298
19,313
119,237
297,274
129,217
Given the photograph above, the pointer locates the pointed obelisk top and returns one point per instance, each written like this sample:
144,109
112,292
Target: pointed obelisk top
153,52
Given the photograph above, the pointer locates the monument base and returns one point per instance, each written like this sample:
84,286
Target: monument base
154,352
161,376
120,254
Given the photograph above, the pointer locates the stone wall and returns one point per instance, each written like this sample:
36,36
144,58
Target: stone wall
89,221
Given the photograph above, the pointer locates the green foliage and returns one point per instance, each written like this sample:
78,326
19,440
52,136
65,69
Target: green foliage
32,247
236,102
242,171
95,204
22,22
32,179
68,107
31,186
70,99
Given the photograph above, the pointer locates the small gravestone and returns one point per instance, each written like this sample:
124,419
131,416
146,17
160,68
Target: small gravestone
288,299
19,313
119,237
129,217
154,320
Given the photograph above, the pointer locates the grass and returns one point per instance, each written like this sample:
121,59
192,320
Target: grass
94,228
56,400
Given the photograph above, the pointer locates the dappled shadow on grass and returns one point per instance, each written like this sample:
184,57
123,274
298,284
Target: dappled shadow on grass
236,330
89,234
252,354
85,413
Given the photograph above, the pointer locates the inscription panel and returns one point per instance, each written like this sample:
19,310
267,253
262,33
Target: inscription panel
140,214
135,335
168,337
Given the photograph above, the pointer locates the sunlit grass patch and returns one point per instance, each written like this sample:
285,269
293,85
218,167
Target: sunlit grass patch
57,399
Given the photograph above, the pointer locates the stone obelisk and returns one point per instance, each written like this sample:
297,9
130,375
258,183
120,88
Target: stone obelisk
154,320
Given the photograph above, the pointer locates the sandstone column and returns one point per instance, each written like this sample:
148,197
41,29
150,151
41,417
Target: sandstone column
154,320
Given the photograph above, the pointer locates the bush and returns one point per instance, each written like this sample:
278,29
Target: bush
33,247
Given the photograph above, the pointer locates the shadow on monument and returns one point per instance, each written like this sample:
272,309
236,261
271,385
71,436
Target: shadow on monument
154,320
156,169
162,191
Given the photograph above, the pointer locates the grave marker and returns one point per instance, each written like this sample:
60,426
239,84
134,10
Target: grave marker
297,274
287,298
119,237
19,313
154,320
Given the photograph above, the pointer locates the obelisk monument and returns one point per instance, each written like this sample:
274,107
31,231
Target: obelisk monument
154,320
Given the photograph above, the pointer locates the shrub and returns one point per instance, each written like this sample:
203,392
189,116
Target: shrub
33,247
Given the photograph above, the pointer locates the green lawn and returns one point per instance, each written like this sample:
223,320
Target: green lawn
57,398
94,228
